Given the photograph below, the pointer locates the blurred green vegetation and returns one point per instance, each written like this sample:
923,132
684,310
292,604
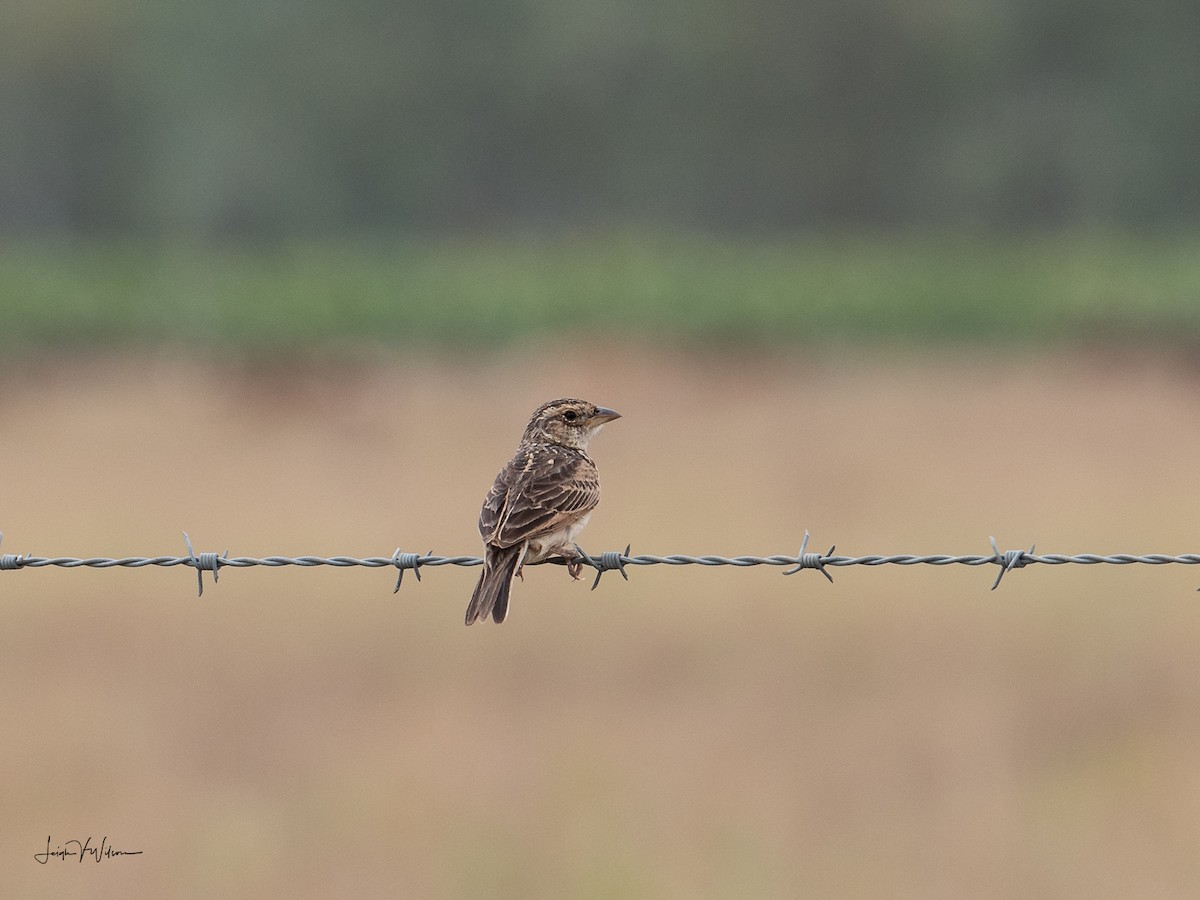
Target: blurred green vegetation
314,117
235,173
684,290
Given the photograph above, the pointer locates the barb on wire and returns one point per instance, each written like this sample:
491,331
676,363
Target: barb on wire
613,560
1010,560
204,562
811,560
404,561
9,560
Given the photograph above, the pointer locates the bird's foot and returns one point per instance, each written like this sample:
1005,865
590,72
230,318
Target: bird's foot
574,561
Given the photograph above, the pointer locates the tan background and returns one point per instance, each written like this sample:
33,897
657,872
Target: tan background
701,733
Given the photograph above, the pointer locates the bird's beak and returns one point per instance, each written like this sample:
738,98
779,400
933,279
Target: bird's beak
604,414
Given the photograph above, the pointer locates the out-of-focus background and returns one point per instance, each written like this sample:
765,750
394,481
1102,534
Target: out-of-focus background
905,274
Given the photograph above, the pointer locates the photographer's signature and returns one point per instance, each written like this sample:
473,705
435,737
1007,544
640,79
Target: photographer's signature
82,849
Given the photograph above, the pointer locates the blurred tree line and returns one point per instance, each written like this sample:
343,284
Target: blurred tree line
304,117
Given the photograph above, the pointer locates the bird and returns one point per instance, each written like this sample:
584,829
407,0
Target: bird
539,502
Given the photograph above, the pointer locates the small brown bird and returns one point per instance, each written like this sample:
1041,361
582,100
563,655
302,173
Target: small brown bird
540,501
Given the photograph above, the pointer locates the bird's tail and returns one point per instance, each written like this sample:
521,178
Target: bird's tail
491,593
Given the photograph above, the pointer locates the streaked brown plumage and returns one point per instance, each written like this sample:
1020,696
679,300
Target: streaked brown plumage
539,501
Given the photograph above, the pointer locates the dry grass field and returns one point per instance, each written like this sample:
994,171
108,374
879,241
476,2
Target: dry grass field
901,733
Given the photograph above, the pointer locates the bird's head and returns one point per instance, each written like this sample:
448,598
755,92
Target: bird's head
568,422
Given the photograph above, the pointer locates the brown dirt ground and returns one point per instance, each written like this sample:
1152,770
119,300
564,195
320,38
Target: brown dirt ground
691,733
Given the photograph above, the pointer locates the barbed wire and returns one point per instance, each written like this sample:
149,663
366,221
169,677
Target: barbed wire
613,560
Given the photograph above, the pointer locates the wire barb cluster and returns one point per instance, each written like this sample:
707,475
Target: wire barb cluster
404,561
612,560
8,560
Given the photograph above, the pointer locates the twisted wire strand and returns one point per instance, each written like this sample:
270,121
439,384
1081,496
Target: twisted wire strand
678,559
378,562
613,560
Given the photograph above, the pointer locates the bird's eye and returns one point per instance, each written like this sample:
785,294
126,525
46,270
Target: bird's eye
570,415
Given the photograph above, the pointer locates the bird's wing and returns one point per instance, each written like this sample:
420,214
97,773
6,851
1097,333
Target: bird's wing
542,489
493,507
